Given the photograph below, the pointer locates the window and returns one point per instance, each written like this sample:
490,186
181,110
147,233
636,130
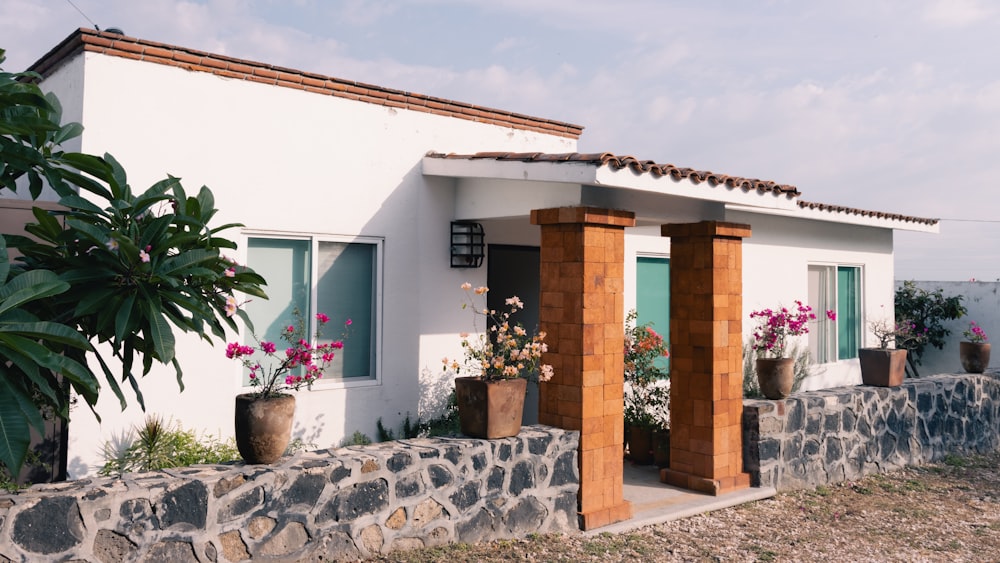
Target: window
836,288
338,277
652,297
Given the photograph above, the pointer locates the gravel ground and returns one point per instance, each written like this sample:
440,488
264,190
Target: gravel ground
942,512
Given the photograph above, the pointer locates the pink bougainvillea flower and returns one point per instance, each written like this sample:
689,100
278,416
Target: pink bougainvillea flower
268,347
322,318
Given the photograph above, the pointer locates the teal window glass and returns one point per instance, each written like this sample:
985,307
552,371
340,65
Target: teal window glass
848,311
652,298
340,282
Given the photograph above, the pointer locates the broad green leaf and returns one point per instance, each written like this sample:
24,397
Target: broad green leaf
123,318
185,260
160,335
14,433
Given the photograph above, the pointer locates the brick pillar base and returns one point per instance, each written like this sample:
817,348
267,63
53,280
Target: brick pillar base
706,356
582,302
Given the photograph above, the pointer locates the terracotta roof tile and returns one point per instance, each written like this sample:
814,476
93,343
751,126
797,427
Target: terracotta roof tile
89,40
639,167
867,213
677,173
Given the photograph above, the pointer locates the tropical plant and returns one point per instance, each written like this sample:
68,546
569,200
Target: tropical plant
300,365
124,273
503,351
34,374
774,327
927,311
647,390
975,333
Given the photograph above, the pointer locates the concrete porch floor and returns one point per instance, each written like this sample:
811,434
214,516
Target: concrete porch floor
654,502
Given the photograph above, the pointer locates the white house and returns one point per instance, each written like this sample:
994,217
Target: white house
348,192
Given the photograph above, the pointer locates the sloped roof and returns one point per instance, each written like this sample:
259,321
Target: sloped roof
654,169
92,41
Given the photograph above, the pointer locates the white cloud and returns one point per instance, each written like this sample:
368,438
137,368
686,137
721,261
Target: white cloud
956,13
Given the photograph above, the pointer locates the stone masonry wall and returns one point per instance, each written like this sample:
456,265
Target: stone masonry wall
841,434
353,502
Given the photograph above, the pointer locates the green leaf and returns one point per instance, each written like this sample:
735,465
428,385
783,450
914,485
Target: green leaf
45,330
123,318
159,333
186,259
14,433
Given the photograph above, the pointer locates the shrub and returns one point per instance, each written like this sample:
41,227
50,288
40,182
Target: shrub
159,445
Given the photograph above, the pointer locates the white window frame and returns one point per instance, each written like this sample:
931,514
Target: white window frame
834,343
378,296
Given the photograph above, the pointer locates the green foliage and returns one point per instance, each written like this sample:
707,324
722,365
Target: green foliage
751,388
927,310
647,395
356,439
158,445
384,434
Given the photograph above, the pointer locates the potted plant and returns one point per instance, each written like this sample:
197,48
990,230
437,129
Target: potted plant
974,352
500,361
772,330
647,394
884,366
264,417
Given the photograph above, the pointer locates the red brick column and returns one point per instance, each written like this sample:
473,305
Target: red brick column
706,357
582,302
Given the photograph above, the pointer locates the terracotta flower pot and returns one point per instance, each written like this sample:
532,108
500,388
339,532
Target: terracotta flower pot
661,447
882,367
490,409
975,356
263,427
640,445
775,376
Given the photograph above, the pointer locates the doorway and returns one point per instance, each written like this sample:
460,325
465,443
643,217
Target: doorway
515,270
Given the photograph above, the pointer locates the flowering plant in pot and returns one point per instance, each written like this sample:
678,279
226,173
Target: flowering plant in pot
772,332
264,416
498,363
884,366
974,351
647,393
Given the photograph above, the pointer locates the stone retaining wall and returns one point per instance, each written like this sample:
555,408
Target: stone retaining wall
834,435
352,502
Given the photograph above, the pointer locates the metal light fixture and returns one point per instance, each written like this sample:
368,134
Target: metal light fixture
467,244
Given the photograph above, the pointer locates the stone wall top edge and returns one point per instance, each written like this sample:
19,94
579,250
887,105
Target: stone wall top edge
561,440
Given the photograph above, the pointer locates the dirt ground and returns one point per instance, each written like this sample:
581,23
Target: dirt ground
948,511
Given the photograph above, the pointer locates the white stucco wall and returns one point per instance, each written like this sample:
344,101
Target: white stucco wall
776,259
289,161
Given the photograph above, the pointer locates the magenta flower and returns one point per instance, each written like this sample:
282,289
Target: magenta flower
268,347
322,318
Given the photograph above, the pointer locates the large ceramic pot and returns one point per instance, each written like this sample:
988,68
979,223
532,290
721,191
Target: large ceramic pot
640,445
882,367
263,427
490,409
975,356
775,376
661,447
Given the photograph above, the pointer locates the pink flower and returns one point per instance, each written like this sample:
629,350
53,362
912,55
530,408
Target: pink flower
144,256
268,347
231,305
322,318
830,314
230,272
348,322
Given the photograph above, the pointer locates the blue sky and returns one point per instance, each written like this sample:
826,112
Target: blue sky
891,105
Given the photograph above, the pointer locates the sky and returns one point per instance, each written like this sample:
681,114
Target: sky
889,105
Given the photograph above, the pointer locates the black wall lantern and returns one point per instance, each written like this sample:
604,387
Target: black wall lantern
467,244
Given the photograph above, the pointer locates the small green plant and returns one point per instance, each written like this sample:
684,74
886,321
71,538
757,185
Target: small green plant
955,461
356,439
382,433
158,444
